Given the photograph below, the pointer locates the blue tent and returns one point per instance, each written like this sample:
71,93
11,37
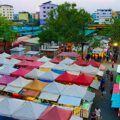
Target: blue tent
58,71
115,97
116,104
69,100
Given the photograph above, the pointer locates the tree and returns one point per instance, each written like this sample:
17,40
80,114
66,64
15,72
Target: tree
67,24
6,33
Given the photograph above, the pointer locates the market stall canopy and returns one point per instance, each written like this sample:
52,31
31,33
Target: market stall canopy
115,97
34,40
116,88
54,87
22,57
13,56
67,61
35,85
29,111
102,67
58,113
118,79
45,69
14,61
90,69
20,82
44,59
48,65
24,63
6,80
100,73
68,100
9,105
49,96
80,62
66,78
7,70
89,96
98,50
33,58
115,104
35,64
60,67
2,87
4,61
4,55
48,76
118,69
74,67
69,54
76,118
74,91
20,72
34,74
84,79
56,60
94,63
95,84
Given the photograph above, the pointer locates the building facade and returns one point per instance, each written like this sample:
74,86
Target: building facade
7,11
24,16
103,15
45,8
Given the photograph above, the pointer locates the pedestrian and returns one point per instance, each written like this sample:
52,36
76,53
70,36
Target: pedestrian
98,113
107,73
111,76
103,89
113,64
93,116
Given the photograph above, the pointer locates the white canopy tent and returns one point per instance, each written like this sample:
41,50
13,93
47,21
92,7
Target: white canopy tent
2,87
76,118
48,65
100,73
48,96
60,67
89,96
98,50
7,70
9,105
44,59
67,61
29,111
90,69
3,61
118,69
74,91
20,82
95,84
49,76
34,74
54,87
4,55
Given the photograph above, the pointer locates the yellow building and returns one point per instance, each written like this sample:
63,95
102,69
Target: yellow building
114,14
24,16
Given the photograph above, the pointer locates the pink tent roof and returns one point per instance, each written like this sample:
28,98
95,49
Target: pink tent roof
20,72
94,63
80,62
24,63
66,78
84,79
55,113
116,88
35,64
6,80
56,60
69,54
33,58
22,57
102,67
13,56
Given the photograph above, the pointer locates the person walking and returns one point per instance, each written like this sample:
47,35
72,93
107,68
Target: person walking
113,64
98,113
111,76
93,116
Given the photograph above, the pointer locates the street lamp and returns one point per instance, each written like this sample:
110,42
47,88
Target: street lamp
115,44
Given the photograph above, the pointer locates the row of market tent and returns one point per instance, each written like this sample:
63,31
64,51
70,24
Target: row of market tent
52,83
116,92
12,109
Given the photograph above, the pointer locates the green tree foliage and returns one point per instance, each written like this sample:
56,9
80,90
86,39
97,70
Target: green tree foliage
66,23
6,34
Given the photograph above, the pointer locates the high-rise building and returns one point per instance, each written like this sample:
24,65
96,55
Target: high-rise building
102,15
7,11
45,8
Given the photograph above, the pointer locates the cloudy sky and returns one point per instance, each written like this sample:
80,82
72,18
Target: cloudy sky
89,5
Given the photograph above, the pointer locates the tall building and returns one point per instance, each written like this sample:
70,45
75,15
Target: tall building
103,15
7,11
24,16
45,8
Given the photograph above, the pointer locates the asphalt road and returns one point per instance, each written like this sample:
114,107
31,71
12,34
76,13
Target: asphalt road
104,102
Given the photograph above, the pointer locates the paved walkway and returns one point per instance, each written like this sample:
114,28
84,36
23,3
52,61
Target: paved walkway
104,102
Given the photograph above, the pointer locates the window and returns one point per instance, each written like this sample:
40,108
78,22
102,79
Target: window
43,7
44,11
48,7
44,15
51,7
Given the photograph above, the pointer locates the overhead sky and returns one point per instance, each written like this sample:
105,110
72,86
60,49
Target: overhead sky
89,5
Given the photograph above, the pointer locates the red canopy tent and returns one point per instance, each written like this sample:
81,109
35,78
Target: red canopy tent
33,58
20,72
22,57
24,63
80,62
94,63
84,79
56,60
13,56
55,113
66,78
